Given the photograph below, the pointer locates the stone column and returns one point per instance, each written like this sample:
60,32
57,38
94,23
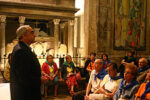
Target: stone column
62,34
56,35
21,20
71,38
2,37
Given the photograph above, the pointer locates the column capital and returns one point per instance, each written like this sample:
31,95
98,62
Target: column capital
71,22
62,25
21,19
2,18
56,21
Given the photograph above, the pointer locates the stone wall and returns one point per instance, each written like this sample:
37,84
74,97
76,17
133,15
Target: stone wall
64,3
99,26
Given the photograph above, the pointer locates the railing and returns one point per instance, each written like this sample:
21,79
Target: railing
77,60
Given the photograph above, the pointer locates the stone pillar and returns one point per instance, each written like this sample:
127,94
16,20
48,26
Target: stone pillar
56,35
62,34
87,11
71,38
2,37
21,20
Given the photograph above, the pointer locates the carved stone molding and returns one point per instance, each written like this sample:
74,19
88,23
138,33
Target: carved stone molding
56,21
21,19
62,25
71,22
2,18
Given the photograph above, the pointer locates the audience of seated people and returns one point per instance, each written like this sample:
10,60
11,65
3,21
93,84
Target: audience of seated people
68,74
109,85
49,72
105,59
95,80
143,69
104,80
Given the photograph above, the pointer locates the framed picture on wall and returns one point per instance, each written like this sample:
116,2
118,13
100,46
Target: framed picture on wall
130,24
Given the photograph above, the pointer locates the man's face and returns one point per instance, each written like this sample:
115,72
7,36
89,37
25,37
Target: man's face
98,65
142,63
30,36
112,72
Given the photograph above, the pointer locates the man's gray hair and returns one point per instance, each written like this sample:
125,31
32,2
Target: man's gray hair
22,30
144,59
100,60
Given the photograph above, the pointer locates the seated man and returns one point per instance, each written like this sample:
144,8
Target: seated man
109,85
143,69
95,80
144,90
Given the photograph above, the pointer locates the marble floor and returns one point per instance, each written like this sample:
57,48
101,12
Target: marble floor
59,97
64,96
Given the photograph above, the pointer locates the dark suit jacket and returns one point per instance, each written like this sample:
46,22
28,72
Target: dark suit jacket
25,73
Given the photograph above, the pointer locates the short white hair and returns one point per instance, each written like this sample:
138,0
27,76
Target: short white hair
22,30
144,59
99,60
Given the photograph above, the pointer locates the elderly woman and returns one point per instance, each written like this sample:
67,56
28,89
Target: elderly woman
144,90
128,86
109,85
49,71
105,59
68,74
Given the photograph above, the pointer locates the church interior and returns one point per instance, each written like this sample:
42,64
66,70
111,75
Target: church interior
76,28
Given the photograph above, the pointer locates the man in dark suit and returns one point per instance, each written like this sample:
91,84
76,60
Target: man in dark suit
25,70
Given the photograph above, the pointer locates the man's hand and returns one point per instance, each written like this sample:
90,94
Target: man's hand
109,95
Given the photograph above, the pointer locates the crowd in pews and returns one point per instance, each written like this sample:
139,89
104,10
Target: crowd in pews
104,79
129,81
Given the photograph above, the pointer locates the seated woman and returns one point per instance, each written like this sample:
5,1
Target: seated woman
126,60
105,59
128,86
68,74
49,71
90,66
7,68
109,85
89,63
144,90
